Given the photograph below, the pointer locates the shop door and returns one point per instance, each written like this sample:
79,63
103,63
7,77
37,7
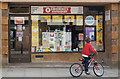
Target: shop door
19,39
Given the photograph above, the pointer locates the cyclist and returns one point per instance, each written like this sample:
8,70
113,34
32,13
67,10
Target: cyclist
86,52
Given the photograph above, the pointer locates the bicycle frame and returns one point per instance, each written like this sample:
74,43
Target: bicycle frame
92,60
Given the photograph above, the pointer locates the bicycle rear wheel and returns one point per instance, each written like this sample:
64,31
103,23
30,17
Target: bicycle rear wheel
76,70
98,69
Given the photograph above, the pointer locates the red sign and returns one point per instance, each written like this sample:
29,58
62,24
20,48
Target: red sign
19,20
57,10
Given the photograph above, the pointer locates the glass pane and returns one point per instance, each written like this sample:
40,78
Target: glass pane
51,34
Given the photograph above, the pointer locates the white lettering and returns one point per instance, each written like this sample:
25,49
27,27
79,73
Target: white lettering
47,10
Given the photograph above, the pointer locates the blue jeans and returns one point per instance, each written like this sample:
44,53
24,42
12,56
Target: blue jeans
86,63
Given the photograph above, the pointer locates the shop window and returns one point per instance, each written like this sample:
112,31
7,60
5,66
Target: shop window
94,30
19,9
65,33
56,33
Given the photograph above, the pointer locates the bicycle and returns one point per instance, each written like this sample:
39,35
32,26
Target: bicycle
76,69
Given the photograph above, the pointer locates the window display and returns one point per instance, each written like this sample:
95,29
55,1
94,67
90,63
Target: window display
65,38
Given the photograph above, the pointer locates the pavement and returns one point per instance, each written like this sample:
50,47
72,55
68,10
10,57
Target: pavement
48,69
51,72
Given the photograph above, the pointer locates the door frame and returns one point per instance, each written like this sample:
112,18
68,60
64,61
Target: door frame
9,25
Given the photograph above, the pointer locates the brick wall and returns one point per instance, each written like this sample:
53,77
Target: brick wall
62,57
5,28
108,38
114,17
111,35
4,33
119,34
0,36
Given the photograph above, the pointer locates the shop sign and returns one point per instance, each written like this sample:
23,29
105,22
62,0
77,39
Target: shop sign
56,10
89,20
19,20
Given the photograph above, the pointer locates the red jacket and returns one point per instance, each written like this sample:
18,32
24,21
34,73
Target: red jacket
87,48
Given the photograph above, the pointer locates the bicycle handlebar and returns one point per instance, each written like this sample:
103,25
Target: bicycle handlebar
92,55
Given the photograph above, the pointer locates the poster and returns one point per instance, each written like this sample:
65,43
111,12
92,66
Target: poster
11,34
45,18
67,45
35,40
19,27
79,20
19,34
89,32
80,36
35,31
107,15
45,39
35,20
99,20
19,20
69,18
20,39
99,30
58,18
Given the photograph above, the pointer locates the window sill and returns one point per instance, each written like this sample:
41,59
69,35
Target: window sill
56,52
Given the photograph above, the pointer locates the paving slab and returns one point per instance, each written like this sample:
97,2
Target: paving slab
51,72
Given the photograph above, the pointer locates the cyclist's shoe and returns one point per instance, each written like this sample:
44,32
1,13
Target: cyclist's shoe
88,73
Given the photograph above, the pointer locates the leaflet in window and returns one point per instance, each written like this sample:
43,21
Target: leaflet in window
45,18
57,18
69,18
79,20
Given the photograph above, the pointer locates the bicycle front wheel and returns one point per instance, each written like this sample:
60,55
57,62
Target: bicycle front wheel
98,69
76,70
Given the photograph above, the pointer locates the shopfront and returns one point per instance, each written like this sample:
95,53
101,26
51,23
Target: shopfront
37,31
65,28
